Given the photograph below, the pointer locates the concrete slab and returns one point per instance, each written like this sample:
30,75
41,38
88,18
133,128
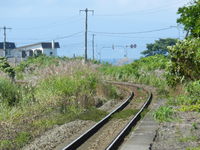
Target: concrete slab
143,134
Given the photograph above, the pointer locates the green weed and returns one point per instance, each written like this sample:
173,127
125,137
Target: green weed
193,148
194,125
124,114
188,139
22,138
163,114
6,144
93,114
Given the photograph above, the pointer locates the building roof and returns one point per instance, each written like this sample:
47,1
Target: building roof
9,45
42,44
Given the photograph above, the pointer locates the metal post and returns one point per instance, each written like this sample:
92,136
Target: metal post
93,46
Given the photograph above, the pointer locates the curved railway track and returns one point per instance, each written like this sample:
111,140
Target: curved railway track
118,139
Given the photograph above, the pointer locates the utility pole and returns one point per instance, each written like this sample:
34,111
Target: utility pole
4,41
86,29
93,46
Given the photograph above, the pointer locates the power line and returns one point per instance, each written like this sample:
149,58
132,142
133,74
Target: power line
140,32
68,36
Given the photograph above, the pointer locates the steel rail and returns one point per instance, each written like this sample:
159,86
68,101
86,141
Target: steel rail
125,131
81,139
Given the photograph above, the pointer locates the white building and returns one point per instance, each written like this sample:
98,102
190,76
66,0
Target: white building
46,48
10,49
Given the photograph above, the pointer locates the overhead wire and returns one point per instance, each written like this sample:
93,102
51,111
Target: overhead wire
140,32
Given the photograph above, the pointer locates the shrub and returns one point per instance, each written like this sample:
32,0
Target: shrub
185,61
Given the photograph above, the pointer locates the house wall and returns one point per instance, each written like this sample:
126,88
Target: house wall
48,52
2,53
10,53
17,53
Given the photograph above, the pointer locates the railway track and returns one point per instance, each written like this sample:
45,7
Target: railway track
111,132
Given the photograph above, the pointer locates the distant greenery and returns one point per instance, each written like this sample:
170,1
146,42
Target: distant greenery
159,47
148,70
189,17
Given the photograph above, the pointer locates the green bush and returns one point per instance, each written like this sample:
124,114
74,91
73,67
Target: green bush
185,61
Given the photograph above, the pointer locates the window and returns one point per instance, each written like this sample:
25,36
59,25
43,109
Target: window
23,54
30,53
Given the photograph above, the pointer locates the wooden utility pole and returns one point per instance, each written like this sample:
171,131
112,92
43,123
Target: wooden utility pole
4,41
86,29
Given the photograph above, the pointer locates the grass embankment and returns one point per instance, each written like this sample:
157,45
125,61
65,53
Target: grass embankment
57,91
148,70
153,71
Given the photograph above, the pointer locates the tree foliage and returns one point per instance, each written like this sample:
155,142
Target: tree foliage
185,61
190,18
159,47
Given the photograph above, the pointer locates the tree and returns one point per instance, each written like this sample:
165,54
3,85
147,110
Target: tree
190,18
159,47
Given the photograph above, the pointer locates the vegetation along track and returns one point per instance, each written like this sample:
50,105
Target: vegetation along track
111,130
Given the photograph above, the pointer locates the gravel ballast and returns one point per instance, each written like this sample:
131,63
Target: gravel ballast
64,133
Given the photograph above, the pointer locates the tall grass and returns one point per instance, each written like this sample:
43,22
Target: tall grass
9,92
56,92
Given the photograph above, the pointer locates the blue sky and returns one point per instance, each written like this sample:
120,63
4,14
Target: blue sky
35,21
